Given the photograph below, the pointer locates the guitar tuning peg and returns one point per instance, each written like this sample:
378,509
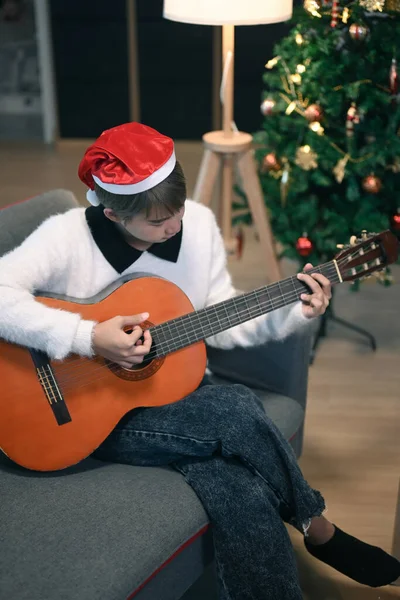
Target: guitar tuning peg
340,246
353,240
364,234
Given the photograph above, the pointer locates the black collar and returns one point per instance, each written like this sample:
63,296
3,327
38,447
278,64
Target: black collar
116,250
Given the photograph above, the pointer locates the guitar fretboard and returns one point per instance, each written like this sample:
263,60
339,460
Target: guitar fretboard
199,325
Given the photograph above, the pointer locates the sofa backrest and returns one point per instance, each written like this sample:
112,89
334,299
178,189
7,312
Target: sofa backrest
18,220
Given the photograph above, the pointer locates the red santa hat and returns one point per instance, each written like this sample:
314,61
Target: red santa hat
127,159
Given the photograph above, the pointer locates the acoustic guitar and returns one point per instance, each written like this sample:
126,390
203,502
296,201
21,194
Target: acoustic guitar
53,414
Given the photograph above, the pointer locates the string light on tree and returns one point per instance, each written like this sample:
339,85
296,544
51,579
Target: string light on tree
299,39
272,63
304,245
296,78
372,184
316,127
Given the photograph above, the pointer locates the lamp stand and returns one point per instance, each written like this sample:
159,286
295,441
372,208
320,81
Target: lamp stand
224,149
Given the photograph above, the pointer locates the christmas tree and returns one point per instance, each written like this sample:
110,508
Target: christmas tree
329,149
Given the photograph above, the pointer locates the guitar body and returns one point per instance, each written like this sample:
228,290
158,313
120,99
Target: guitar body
97,394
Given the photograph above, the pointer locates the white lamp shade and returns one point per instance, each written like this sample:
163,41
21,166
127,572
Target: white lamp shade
228,12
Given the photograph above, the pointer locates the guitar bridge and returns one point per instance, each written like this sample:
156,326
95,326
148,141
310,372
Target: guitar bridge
53,394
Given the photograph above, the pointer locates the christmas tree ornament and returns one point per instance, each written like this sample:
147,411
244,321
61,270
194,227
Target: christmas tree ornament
392,5
393,78
313,112
285,181
372,184
358,32
372,5
300,69
313,7
267,107
306,158
335,13
340,169
299,39
270,163
290,108
304,245
345,15
352,118
395,221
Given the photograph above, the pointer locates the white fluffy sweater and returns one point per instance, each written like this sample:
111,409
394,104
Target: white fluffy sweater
61,256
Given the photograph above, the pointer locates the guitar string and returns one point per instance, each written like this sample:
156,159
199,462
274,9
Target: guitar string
166,348
201,330
222,312
294,295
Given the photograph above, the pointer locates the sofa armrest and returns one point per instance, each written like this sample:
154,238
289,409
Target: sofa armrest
278,366
18,220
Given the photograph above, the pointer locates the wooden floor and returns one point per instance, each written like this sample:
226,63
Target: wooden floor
352,443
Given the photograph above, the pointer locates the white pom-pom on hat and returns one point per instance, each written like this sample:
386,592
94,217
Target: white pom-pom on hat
92,198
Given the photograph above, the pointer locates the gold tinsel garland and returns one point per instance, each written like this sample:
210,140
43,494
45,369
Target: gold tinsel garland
392,5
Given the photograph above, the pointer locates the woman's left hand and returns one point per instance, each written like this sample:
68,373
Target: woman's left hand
315,303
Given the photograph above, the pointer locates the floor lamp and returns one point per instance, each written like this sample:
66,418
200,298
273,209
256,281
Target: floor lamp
226,147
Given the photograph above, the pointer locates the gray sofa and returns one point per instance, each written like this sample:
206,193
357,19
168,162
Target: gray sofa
101,531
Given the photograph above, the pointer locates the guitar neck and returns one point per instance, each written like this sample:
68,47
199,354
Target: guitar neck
199,325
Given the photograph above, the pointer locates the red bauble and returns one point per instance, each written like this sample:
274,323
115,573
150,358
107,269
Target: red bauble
304,245
313,113
372,184
395,221
270,162
267,107
358,33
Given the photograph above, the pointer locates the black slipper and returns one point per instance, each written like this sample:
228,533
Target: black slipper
361,562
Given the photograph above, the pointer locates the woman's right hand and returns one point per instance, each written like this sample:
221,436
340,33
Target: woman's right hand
126,349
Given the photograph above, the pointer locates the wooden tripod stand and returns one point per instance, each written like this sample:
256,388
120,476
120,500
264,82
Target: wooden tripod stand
222,150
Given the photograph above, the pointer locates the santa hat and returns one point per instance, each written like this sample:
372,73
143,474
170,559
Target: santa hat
127,159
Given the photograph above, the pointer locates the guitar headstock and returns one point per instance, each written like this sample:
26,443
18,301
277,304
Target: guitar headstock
365,255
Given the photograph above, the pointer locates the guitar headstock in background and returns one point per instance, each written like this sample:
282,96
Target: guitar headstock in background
366,255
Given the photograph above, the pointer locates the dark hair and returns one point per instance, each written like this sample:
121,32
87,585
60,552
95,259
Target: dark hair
169,195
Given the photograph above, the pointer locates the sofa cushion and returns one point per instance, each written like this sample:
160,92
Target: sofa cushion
18,220
96,531
100,531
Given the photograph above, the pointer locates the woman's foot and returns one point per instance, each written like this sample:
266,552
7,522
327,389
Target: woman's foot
361,562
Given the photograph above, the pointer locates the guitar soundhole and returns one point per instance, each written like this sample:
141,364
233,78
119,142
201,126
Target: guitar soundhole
145,369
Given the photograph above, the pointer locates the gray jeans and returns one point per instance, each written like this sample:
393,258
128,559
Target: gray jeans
245,474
